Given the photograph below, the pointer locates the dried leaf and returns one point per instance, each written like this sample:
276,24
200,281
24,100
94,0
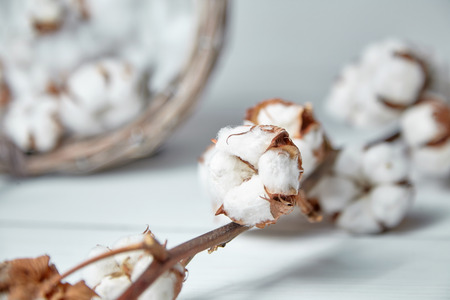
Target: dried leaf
31,278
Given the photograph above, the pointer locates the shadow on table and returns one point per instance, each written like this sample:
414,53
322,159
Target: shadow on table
346,266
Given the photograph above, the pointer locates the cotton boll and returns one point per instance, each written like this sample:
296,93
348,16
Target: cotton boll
390,202
101,96
426,122
247,204
372,112
225,172
348,163
399,80
334,193
45,15
378,52
88,85
165,287
246,142
418,125
385,163
298,120
279,172
132,257
358,218
31,123
432,161
112,287
95,272
282,115
141,265
232,168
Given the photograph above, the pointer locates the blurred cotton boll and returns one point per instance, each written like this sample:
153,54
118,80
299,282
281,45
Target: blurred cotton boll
32,124
103,59
389,77
425,128
110,277
100,96
368,190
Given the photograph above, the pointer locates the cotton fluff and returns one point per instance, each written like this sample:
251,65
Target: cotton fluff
298,120
110,277
419,125
45,15
367,190
279,172
252,173
432,161
425,128
389,77
100,96
32,123
388,203
399,80
384,163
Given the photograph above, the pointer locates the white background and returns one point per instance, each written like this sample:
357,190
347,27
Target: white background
290,49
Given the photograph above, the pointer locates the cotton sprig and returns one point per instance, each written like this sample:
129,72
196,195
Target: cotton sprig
425,128
389,77
299,121
110,277
253,173
100,96
367,190
32,123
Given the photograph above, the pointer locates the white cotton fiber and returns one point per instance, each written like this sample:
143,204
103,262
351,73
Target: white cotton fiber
398,80
432,161
246,203
335,193
225,172
418,125
279,172
385,163
359,218
112,287
246,142
31,123
95,272
389,203
281,115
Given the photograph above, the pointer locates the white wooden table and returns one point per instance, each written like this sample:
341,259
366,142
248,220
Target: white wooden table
65,216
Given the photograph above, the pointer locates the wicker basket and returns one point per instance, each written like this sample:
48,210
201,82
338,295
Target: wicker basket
140,138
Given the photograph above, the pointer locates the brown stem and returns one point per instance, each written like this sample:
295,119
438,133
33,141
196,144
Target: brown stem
188,249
